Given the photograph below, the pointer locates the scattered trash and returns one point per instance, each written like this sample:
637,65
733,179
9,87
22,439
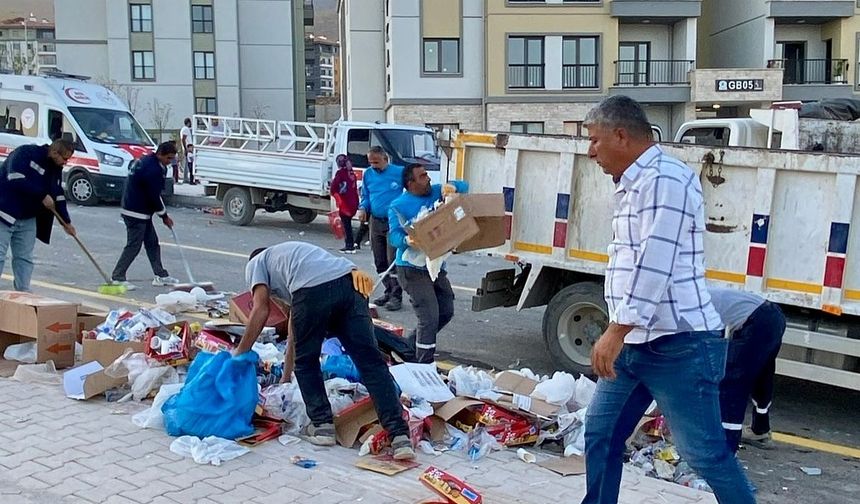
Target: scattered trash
527,457
21,352
449,487
565,466
209,450
385,464
288,440
44,374
305,463
152,417
22,419
811,471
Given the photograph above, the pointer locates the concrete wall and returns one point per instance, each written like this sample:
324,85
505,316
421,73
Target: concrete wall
660,37
735,34
684,39
363,60
469,117
553,115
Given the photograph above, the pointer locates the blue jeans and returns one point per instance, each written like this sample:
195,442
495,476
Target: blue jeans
22,238
682,373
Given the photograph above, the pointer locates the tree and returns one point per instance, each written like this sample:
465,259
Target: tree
128,94
160,114
260,110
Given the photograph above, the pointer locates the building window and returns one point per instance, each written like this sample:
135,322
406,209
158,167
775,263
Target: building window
579,62
437,127
201,19
527,127
573,128
204,65
442,56
141,17
142,65
525,62
206,106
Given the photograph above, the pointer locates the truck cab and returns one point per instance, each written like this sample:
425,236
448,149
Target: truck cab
727,132
107,137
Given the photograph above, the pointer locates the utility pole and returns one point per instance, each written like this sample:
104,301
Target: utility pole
26,43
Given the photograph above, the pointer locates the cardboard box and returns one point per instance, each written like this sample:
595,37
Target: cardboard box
183,356
385,464
103,352
516,395
421,380
467,222
240,311
489,213
451,488
349,423
88,319
51,322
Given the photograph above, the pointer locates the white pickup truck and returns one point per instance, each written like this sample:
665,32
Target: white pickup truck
779,223
285,165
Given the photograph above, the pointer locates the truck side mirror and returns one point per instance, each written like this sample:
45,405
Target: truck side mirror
68,137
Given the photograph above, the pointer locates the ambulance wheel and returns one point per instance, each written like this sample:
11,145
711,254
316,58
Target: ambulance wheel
80,190
573,322
302,215
238,207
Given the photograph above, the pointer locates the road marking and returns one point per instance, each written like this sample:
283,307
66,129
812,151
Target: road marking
130,302
822,446
470,290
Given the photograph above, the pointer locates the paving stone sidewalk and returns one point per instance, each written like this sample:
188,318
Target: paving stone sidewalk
56,450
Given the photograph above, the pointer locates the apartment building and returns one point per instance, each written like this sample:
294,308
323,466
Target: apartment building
226,57
781,50
27,45
321,57
516,65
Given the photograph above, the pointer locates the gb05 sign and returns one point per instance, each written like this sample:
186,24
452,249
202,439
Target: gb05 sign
731,85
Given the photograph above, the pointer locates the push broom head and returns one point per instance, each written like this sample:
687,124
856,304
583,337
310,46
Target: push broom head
112,289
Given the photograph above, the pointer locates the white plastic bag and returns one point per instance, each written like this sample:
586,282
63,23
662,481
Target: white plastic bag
574,441
152,379
45,374
152,418
209,450
268,353
468,381
557,390
583,392
21,352
434,266
284,402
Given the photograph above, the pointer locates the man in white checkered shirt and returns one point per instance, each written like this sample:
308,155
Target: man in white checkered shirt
664,341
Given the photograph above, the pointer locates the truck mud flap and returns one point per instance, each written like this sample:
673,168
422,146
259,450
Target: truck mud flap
500,288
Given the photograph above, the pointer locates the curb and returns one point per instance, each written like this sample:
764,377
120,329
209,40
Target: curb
183,201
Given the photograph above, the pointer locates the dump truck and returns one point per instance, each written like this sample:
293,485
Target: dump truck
779,223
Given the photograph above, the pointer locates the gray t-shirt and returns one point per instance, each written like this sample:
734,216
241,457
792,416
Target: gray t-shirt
734,306
290,266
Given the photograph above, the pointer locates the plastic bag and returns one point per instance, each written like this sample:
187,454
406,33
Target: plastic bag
268,353
218,399
468,381
209,450
574,441
434,266
583,392
456,439
152,418
45,374
284,402
151,380
557,390
340,366
481,443
21,352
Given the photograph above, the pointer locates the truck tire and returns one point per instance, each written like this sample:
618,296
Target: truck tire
238,207
574,320
302,215
80,189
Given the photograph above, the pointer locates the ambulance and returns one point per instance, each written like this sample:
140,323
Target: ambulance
107,137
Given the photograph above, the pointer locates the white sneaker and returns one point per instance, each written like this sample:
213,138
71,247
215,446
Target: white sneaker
164,281
128,286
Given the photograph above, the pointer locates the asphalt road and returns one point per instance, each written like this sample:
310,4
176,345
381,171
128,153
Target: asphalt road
500,338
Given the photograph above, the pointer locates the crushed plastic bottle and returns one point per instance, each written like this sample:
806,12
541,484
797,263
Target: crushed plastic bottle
305,463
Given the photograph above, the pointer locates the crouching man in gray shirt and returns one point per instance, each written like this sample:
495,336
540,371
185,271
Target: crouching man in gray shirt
325,293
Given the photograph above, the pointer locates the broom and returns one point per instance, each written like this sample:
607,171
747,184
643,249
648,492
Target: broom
108,287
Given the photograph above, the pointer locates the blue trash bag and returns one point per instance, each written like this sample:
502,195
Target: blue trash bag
340,366
218,399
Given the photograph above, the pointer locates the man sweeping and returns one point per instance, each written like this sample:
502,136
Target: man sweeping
30,187
326,293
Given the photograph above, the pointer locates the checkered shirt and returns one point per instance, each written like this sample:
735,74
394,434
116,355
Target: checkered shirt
655,280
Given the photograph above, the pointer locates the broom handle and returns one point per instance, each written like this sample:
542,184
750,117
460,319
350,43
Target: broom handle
84,248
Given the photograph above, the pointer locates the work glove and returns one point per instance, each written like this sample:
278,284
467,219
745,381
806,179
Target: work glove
448,190
362,283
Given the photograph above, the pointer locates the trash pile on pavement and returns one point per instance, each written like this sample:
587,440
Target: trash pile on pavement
219,405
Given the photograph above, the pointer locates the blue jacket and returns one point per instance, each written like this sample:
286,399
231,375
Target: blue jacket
379,189
142,195
26,177
405,208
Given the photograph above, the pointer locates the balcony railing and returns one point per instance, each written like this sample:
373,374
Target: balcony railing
580,76
812,71
652,72
525,76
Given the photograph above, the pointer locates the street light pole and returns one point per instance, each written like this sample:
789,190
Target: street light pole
26,52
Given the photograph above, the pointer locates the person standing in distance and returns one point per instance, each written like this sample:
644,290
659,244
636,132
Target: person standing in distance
140,201
381,185
665,340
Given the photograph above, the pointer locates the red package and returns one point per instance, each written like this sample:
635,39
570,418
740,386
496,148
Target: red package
516,434
449,487
336,225
494,415
388,326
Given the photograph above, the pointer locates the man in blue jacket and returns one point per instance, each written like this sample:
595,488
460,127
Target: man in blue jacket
433,300
381,185
140,200
30,187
